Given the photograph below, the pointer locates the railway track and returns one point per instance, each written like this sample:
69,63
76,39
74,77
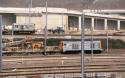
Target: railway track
104,54
62,36
61,64
55,70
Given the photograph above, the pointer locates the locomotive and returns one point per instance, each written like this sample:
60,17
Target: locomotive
75,46
16,28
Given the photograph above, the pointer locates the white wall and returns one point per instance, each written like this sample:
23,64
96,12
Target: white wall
25,19
54,20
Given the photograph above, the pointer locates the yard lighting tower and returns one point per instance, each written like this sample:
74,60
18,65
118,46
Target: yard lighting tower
1,43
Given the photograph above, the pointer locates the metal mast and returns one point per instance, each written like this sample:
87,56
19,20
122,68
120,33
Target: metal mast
83,38
46,28
82,45
1,43
30,6
91,42
82,42
107,41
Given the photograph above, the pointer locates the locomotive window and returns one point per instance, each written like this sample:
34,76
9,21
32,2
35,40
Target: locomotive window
93,45
64,44
22,27
16,26
75,46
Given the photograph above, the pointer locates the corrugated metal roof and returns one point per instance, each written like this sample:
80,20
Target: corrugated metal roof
71,4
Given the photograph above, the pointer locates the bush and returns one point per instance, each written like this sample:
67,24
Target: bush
114,44
53,42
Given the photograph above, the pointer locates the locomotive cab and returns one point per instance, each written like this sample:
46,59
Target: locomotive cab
61,45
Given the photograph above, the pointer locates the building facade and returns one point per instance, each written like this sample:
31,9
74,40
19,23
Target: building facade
69,20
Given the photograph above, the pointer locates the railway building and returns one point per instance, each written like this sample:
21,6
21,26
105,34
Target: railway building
62,14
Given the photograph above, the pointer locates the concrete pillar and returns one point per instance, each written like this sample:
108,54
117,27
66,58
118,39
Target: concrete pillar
79,23
118,25
66,26
92,23
105,24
